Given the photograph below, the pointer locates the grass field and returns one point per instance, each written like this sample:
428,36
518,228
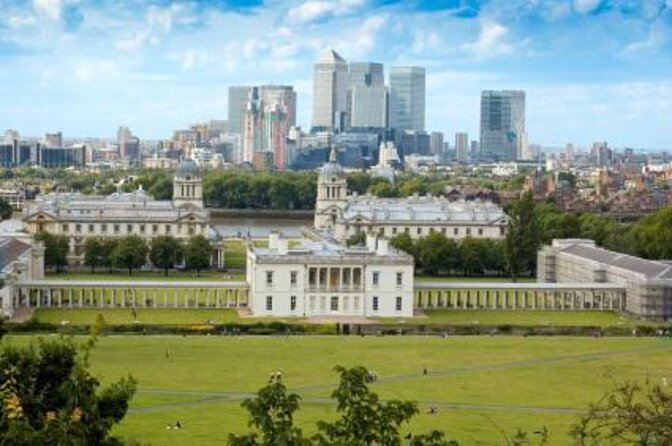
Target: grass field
149,276
482,386
524,318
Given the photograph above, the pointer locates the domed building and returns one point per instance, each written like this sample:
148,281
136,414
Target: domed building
346,215
81,216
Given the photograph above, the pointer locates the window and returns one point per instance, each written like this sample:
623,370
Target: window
292,277
269,277
480,231
346,303
269,303
456,231
334,303
78,228
502,230
431,230
103,228
323,303
91,228
167,229
375,303
191,230
292,303
443,231
398,304
356,303
65,228
376,277
312,303
129,228
116,229
142,229
394,231
155,229
400,279
419,230
407,230
468,231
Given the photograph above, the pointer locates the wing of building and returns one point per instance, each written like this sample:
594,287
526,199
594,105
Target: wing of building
321,277
80,216
648,282
345,214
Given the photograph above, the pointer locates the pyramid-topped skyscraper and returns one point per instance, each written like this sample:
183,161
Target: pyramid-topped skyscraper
330,87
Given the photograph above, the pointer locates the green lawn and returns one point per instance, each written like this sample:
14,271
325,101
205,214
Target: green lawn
523,318
235,253
482,386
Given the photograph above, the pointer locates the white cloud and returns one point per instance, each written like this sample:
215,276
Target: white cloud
491,40
316,10
19,21
49,8
586,6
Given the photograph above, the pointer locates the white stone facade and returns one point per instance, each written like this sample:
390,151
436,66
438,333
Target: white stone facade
323,278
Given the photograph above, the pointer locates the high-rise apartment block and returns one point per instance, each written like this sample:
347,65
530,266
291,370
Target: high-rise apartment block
53,139
129,145
407,98
330,88
503,125
462,146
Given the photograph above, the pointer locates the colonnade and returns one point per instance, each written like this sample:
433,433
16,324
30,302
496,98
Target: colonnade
142,297
521,299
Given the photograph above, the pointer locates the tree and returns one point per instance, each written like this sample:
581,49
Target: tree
197,253
356,239
109,249
630,413
164,252
50,397
55,249
162,189
5,210
130,253
272,413
404,242
522,238
94,252
435,254
383,189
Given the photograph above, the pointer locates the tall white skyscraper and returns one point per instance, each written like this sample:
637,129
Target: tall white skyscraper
462,146
503,134
407,98
330,88
367,95
238,97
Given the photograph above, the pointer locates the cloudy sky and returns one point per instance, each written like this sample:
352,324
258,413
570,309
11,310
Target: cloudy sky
593,70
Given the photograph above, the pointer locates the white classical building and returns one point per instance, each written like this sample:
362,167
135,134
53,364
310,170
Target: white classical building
322,277
20,259
80,216
346,215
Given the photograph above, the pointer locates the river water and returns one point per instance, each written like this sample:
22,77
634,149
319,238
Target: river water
231,227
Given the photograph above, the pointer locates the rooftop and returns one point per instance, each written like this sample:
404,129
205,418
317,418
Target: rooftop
11,250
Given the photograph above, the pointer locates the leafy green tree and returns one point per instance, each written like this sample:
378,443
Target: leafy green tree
383,189
652,235
130,253
197,253
356,239
630,413
404,242
522,238
437,254
162,189
50,398
359,182
55,250
272,414
595,227
5,210
108,247
94,252
164,252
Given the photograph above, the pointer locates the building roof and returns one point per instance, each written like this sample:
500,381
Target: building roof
651,269
331,56
11,250
332,168
425,209
187,168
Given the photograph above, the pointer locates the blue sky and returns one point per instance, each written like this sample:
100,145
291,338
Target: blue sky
593,69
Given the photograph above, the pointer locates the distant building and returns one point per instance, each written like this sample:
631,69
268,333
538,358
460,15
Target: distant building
324,278
462,147
129,145
436,143
17,153
13,194
601,154
648,283
407,98
238,97
503,136
367,96
20,259
62,157
53,139
330,88
79,216
346,215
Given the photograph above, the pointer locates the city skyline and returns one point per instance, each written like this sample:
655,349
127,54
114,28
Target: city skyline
85,68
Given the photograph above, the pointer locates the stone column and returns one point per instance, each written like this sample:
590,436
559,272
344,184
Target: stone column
228,297
60,297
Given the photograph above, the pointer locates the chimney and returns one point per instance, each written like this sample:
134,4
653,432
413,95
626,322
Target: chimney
371,242
283,246
273,238
383,247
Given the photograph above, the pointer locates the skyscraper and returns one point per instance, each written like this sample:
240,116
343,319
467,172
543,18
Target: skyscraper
129,145
238,97
503,124
330,87
407,98
462,146
367,95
